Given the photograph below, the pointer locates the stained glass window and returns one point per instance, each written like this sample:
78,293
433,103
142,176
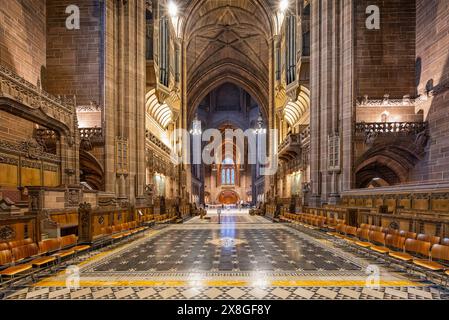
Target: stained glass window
223,176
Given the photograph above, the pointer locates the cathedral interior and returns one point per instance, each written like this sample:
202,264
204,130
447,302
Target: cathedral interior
224,149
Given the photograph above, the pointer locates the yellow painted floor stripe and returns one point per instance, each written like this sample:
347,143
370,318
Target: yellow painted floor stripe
224,283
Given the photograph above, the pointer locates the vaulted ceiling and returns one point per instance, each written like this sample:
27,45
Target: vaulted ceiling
227,41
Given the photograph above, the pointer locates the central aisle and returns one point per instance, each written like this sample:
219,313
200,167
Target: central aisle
244,257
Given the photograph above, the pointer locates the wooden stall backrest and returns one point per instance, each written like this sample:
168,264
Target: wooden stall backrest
352,231
440,205
363,234
428,238
5,257
25,251
440,252
395,241
421,204
72,218
50,245
377,237
419,247
19,243
68,241
408,235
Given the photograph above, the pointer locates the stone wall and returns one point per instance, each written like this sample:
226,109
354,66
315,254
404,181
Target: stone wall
15,129
385,58
22,37
74,65
432,52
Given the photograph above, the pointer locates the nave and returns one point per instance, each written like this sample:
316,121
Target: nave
242,257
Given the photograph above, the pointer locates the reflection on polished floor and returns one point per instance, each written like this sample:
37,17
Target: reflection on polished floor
243,257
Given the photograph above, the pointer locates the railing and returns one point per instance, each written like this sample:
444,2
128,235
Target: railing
291,139
296,139
151,137
94,135
305,135
390,127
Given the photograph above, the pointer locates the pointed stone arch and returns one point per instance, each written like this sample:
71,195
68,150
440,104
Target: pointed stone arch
227,41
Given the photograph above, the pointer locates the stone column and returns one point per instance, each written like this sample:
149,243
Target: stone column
331,97
125,96
110,103
334,196
185,169
347,97
140,101
315,101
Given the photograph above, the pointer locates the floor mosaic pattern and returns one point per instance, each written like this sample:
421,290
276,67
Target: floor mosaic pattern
243,257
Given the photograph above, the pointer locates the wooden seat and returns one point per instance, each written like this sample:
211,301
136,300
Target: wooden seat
430,265
395,242
117,233
380,249
15,270
376,228
25,252
68,241
363,238
378,242
49,245
64,253
19,243
407,234
16,255
5,257
81,248
350,233
403,256
438,252
39,262
412,249
428,238
393,232
67,244
339,231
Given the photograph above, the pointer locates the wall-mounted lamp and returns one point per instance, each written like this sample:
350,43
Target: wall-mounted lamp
172,9
283,5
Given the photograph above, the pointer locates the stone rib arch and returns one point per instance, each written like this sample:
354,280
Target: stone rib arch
227,41
391,163
160,112
294,110
201,92
91,170
203,6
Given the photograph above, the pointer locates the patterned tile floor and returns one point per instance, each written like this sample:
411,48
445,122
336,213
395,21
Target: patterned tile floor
243,257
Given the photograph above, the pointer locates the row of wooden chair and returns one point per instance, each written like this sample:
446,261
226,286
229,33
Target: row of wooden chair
402,246
164,218
18,257
123,230
147,218
312,220
408,234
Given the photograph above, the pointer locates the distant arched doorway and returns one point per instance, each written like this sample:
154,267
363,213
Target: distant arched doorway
228,197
